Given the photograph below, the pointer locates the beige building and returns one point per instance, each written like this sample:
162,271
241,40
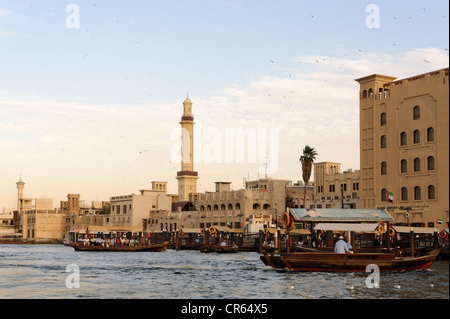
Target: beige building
333,189
404,146
297,192
131,210
227,207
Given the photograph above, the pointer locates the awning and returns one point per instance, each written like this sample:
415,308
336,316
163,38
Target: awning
191,230
417,230
296,232
225,229
364,228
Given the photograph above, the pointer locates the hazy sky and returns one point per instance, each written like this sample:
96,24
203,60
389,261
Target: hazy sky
91,92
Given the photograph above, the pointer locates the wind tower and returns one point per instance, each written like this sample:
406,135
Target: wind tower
187,177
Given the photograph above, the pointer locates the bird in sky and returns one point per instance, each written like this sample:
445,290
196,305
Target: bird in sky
426,61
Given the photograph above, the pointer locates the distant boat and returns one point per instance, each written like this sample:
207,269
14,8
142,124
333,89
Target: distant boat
356,262
154,247
220,249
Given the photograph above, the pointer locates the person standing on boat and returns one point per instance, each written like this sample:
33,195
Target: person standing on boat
341,246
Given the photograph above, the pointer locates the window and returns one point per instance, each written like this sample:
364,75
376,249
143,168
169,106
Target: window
403,139
364,95
430,134
417,164
416,112
383,141
430,163
417,193
416,136
230,207
383,119
404,193
431,192
383,168
404,166
383,195
355,186
344,187
332,188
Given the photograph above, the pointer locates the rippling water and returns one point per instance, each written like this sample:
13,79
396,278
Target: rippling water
39,271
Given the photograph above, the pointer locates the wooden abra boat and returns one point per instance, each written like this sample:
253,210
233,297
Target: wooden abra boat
220,249
154,247
356,262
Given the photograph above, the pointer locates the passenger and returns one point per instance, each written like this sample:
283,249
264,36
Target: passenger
224,243
341,246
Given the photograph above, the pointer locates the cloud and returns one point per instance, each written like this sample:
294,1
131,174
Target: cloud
96,150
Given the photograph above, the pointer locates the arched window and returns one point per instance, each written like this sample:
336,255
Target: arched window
256,206
430,163
364,95
417,193
404,166
222,207
216,207
383,195
430,134
208,208
370,93
238,206
431,192
230,207
383,141
416,112
383,168
266,206
404,193
202,208
416,136
417,164
383,119
403,138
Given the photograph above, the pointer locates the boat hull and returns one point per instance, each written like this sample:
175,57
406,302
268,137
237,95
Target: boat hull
348,262
154,248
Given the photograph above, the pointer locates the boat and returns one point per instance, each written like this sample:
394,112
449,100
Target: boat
153,247
220,249
348,262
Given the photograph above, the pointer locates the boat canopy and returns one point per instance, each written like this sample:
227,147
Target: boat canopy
363,228
416,230
187,230
340,215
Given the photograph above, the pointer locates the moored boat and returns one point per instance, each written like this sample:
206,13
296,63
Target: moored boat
348,262
136,248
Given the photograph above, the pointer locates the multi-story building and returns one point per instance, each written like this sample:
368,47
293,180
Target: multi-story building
131,210
297,192
227,207
404,146
333,189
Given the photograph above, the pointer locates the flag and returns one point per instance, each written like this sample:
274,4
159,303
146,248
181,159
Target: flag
228,223
438,221
390,197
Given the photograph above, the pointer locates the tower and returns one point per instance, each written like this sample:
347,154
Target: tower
20,186
187,177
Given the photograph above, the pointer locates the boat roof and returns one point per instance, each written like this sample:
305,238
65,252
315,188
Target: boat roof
340,215
416,230
363,228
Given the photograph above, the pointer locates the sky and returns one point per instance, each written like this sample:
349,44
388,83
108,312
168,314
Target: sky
91,92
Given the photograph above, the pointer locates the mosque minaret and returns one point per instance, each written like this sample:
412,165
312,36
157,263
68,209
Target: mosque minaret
187,177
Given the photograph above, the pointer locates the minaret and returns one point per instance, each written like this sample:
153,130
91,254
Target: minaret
23,221
20,186
187,177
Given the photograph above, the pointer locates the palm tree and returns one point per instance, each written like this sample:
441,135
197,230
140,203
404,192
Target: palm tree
307,159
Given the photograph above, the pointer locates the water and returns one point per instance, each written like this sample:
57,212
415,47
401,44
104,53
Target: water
39,272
